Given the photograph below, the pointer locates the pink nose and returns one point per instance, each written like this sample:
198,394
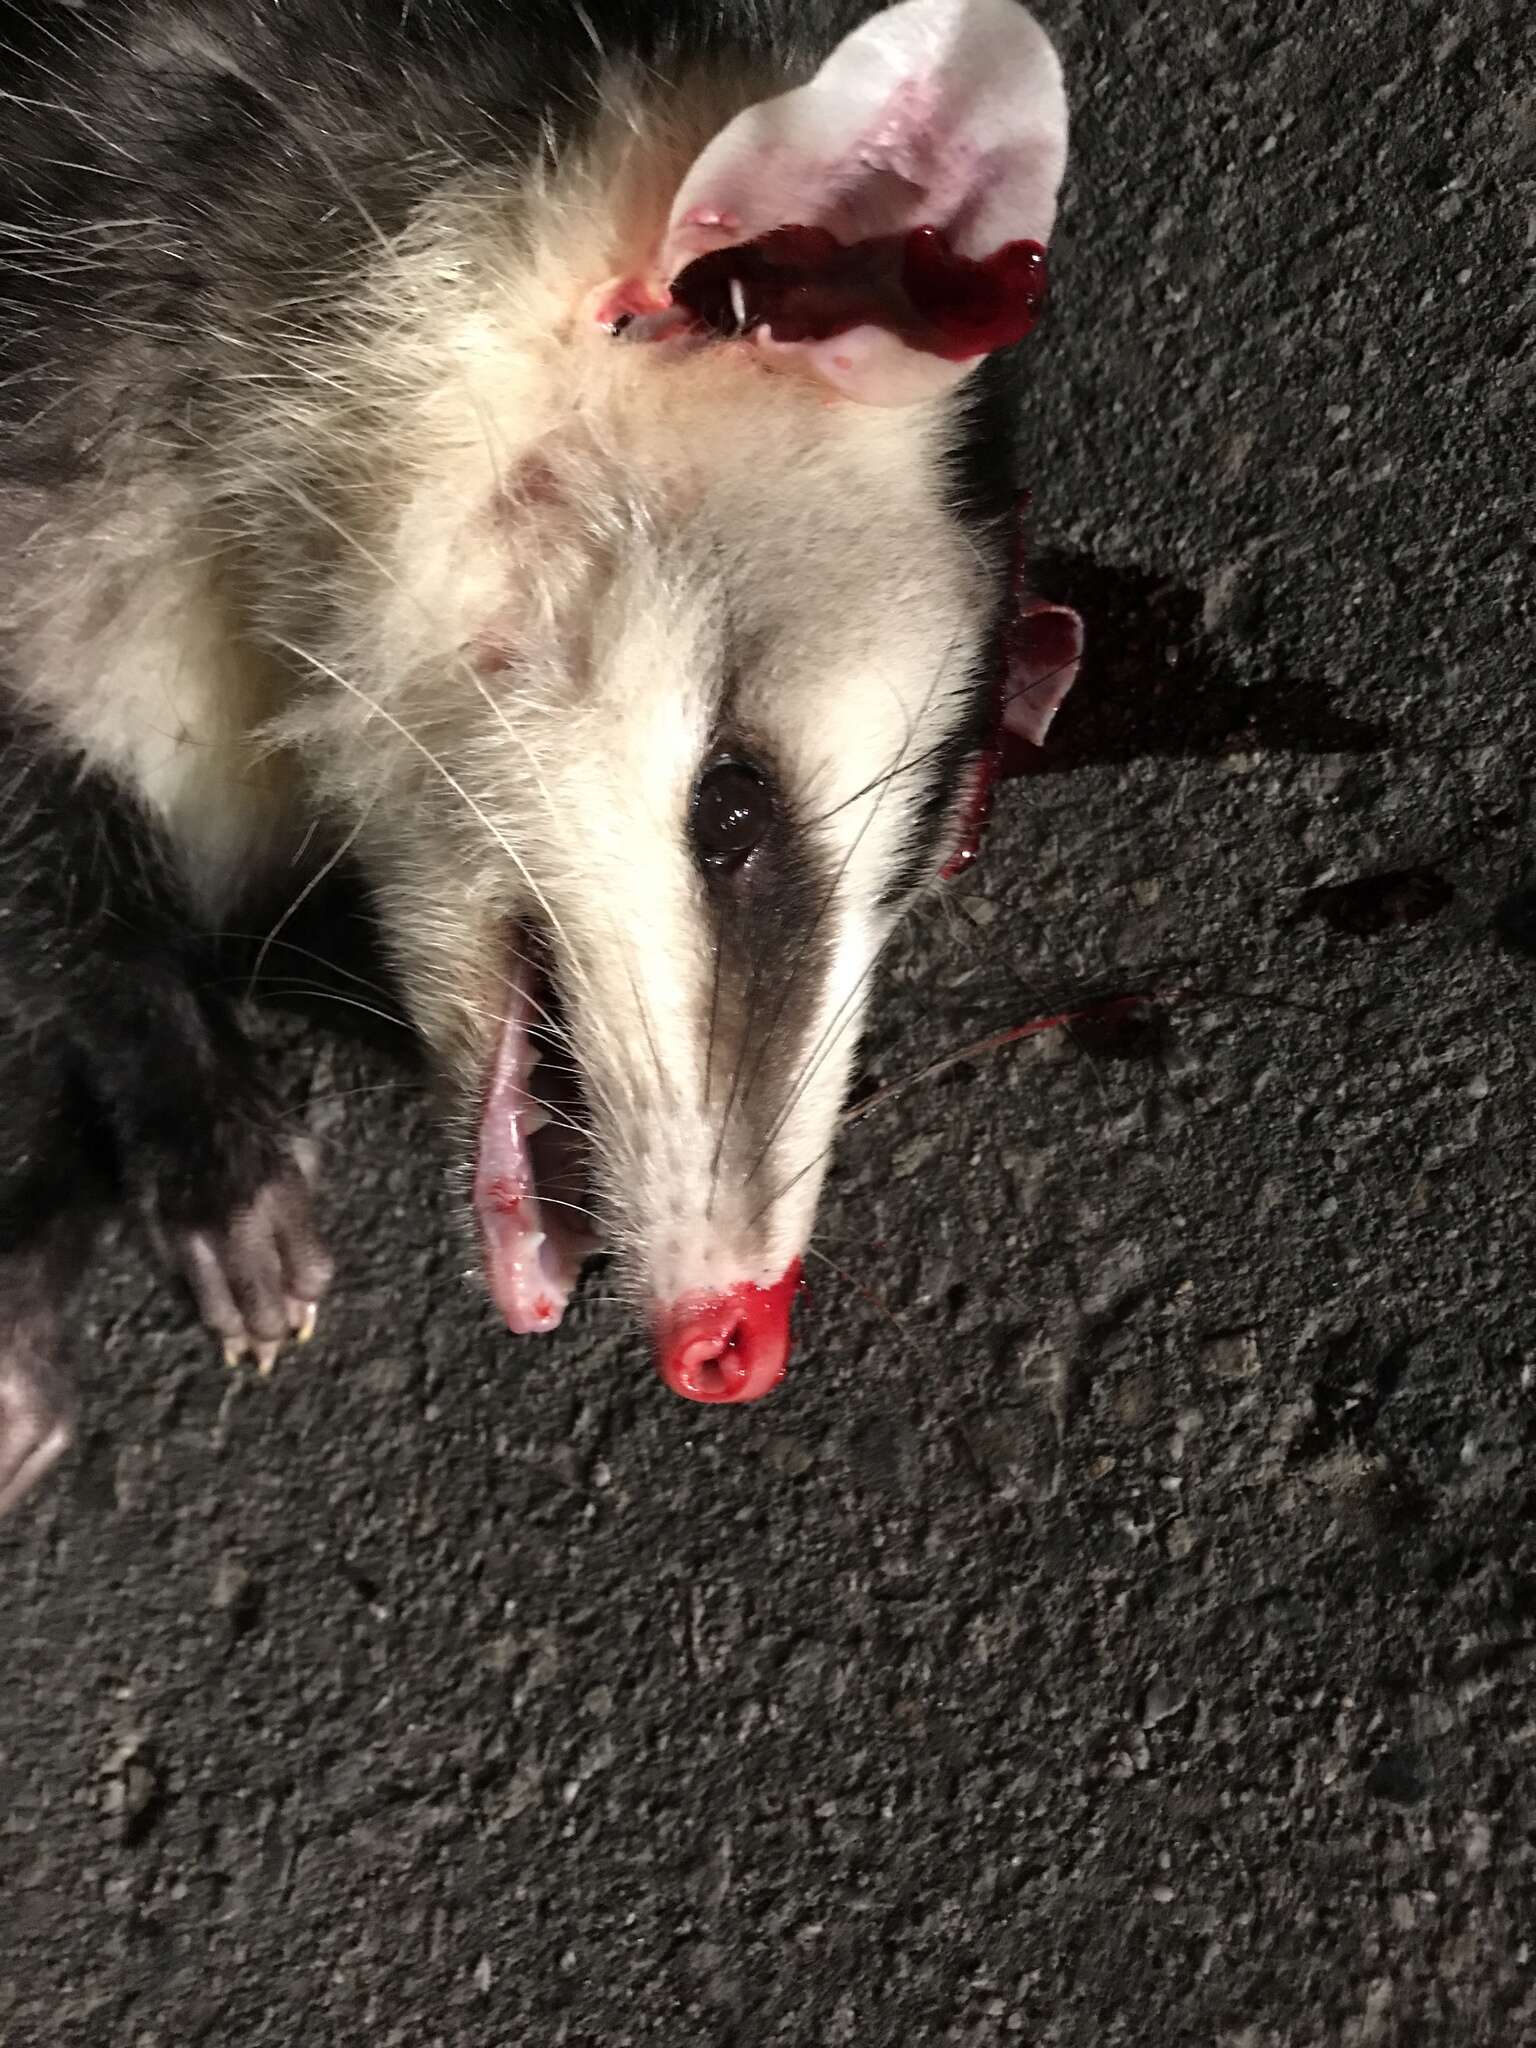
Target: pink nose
727,1347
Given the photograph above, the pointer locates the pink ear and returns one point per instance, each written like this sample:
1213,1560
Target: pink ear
941,116
1042,650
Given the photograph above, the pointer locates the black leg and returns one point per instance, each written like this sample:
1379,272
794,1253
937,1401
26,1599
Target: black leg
98,957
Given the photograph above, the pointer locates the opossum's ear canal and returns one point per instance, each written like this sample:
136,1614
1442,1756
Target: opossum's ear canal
884,225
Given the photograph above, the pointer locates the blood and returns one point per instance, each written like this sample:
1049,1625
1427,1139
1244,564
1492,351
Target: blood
630,299
1004,754
731,1346
802,284
977,304
978,805
1126,1025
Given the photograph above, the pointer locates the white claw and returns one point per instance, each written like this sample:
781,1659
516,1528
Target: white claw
266,1356
304,1329
234,1351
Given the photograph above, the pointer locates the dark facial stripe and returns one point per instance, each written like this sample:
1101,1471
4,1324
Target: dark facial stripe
771,918
770,925
938,779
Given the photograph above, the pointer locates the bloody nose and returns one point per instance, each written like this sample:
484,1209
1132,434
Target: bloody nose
727,1347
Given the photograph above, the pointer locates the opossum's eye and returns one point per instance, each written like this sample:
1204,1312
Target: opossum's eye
732,811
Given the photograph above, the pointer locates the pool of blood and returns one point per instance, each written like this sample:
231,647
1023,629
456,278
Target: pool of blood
802,284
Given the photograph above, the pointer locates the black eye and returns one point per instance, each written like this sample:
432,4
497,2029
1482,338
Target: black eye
732,811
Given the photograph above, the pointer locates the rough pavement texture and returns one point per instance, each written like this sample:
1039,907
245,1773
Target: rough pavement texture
1121,1629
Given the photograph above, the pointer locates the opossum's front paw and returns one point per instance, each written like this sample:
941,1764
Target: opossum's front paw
246,1244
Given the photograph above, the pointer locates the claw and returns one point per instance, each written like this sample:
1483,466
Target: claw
258,1271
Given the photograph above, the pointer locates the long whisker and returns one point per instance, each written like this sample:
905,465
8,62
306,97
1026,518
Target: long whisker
642,1010
738,1067
880,1306
822,1050
1063,1020
307,891
709,1054
814,1061
382,568
825,906
324,668
1091,1013
578,1208
330,995
518,739
903,767
305,953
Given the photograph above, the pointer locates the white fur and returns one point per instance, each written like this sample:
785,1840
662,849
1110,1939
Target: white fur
132,646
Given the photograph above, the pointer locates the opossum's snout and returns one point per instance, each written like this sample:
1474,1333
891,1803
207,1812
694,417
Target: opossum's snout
727,1347
676,971
533,1189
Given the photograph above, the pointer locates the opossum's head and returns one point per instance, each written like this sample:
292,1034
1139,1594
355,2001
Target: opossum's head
686,661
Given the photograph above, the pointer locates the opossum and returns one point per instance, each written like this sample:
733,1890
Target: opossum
558,457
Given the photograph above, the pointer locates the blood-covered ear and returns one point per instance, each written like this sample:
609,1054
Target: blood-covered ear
885,223
1042,649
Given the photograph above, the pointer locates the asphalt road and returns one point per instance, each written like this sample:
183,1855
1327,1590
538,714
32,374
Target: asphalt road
1120,1631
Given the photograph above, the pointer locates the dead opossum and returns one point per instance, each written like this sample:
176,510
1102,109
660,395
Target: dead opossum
560,457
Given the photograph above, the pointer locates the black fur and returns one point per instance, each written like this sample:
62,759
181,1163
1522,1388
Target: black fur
101,956
123,1076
